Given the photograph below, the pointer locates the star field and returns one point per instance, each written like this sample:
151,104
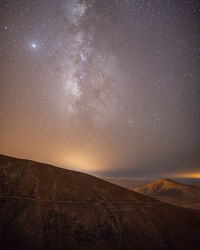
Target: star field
110,87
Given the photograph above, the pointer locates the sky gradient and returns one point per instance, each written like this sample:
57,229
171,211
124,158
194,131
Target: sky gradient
106,87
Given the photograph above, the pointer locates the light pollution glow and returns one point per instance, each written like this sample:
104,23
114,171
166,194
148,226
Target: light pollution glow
195,175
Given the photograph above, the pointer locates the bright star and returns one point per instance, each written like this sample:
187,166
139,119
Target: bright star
33,45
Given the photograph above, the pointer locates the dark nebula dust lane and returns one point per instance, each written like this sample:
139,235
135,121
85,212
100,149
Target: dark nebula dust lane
106,87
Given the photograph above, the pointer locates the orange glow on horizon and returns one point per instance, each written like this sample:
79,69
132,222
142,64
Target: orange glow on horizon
79,162
189,175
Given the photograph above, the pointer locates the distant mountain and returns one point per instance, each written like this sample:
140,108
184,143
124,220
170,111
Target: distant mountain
128,183
173,192
45,207
189,181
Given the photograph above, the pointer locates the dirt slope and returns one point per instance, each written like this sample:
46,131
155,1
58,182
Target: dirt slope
45,207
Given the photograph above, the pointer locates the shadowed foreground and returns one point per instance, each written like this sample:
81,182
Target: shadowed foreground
45,207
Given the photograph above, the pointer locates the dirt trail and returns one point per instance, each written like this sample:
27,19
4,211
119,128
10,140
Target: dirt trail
80,202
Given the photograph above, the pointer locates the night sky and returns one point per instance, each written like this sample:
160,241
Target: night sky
109,87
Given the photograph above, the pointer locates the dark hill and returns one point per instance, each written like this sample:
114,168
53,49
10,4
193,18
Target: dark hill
36,180
45,207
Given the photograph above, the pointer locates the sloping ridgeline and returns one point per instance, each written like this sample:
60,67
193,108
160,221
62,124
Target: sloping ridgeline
45,207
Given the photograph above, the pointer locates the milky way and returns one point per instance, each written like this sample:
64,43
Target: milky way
110,87
91,80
